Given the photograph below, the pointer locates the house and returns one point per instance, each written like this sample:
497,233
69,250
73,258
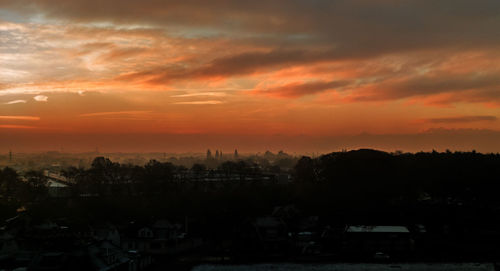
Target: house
270,228
105,256
164,236
58,189
163,229
158,238
139,261
306,235
368,241
262,236
106,232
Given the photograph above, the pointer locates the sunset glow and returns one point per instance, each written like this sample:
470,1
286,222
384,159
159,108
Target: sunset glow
267,74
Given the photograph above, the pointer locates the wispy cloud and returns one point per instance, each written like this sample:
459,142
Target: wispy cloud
200,102
19,118
116,113
16,102
197,94
299,89
41,98
13,126
242,64
462,119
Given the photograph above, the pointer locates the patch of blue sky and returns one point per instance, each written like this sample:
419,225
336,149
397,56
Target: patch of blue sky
9,16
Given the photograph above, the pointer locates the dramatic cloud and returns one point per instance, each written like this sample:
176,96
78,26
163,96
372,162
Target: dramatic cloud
344,23
462,119
301,89
235,65
311,67
434,84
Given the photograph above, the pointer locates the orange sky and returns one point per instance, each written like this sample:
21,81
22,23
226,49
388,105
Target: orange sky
309,69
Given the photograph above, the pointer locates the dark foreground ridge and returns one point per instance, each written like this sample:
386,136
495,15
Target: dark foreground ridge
359,206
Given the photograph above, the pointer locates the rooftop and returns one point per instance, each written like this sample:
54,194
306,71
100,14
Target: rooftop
380,229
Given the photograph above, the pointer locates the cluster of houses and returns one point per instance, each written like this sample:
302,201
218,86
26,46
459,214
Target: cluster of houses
62,245
135,246
58,186
286,235
283,235
306,238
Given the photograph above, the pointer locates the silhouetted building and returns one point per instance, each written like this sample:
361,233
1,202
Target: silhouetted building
265,236
370,241
161,238
104,255
57,189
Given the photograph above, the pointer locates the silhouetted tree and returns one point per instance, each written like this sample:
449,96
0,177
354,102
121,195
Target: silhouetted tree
9,182
305,170
37,184
199,170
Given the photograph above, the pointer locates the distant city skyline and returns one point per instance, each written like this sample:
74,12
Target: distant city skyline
485,141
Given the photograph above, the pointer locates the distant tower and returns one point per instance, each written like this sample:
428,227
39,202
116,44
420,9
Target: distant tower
235,153
216,154
10,155
209,154
220,154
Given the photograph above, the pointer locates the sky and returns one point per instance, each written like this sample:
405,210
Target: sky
298,75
